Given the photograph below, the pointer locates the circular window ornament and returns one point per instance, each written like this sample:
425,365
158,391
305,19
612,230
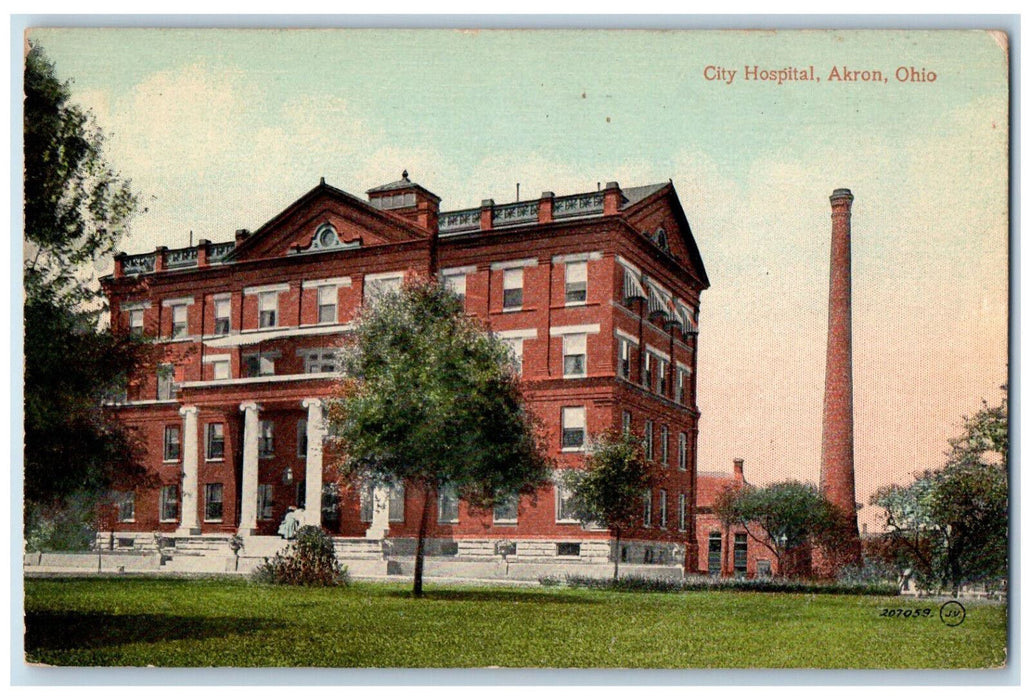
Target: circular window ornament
326,236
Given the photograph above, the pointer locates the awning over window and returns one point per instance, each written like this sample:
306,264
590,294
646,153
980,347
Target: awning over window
688,320
632,288
659,303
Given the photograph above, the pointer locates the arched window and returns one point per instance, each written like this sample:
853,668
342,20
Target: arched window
661,239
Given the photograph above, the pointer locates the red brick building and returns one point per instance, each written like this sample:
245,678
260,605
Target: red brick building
724,549
598,294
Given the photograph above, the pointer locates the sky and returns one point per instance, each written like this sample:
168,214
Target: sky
222,129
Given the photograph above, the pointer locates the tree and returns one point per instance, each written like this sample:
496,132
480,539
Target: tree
951,525
75,209
608,489
432,401
784,517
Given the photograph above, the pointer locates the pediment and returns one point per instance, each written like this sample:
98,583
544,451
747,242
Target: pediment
325,220
662,220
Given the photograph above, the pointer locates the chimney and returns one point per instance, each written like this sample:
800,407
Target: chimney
202,252
613,198
546,208
160,258
739,470
242,235
487,215
837,461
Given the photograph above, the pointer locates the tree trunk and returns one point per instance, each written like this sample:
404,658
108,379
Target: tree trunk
420,545
615,576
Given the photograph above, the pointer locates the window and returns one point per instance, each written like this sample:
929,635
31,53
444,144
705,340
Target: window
507,512
328,304
166,382
512,284
649,439
320,361
266,446
396,504
169,504
715,552
763,568
268,308
576,283
375,285
662,508
179,320
682,512
516,345
624,358
220,369
563,498
260,365
222,307
664,445
330,505
456,283
136,323
216,441
681,376
574,355
740,554
447,505
212,502
626,421
567,549
366,503
302,437
126,501
647,498
682,452
573,428
647,370
264,501
661,388
172,443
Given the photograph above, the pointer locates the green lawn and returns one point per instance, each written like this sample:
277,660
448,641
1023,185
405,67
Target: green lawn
136,622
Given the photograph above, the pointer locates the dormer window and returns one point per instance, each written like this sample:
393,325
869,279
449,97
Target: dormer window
400,200
661,239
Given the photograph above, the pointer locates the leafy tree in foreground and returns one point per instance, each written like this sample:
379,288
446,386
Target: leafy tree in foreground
784,517
951,525
608,489
75,209
431,401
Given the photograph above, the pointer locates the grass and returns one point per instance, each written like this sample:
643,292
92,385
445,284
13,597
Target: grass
138,622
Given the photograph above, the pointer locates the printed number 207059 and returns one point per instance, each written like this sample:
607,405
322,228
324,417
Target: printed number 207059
903,612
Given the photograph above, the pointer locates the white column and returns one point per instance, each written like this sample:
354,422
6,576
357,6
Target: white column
189,522
380,527
249,485
316,431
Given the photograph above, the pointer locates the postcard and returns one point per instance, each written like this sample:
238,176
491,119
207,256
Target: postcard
536,349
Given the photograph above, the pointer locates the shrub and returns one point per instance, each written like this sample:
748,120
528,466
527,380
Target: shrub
764,585
65,528
310,561
549,581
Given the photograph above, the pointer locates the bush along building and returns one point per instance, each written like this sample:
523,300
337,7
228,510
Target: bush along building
597,293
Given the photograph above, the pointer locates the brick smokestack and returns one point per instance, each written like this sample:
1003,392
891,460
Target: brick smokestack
837,462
